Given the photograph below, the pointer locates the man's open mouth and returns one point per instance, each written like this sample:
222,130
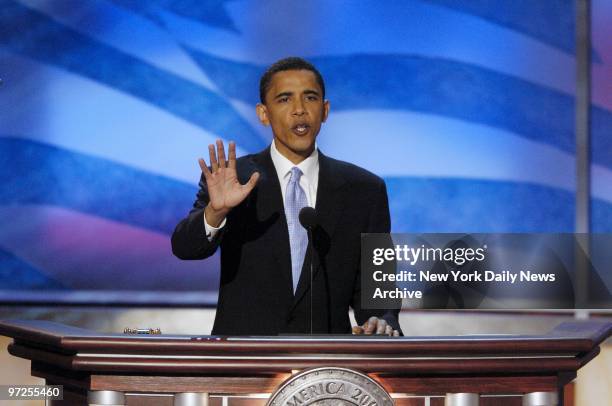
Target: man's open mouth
300,129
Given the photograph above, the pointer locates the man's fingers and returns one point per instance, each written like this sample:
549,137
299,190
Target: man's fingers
376,325
221,153
232,155
204,167
381,327
213,158
252,181
370,325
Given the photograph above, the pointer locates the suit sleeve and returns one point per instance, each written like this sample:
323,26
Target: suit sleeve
189,239
379,221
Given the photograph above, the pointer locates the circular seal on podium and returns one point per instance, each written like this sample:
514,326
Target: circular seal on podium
330,386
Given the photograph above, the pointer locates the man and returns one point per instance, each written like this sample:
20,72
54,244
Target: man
249,207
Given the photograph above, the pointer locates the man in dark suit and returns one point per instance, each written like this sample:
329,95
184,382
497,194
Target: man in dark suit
249,207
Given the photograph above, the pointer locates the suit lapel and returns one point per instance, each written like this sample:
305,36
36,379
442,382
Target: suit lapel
329,205
330,201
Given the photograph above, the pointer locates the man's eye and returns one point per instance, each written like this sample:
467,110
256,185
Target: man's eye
283,99
312,98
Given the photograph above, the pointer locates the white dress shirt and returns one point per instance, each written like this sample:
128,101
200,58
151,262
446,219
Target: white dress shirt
309,181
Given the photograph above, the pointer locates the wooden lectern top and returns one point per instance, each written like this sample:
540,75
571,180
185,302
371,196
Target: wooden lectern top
83,360
566,348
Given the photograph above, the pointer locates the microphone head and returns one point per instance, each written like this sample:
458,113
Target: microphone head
308,217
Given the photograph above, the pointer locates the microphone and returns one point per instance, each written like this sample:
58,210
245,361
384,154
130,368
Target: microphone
308,220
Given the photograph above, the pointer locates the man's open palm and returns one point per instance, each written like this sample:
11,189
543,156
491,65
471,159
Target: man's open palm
224,189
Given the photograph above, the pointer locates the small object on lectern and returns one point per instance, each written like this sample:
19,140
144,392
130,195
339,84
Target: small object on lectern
155,331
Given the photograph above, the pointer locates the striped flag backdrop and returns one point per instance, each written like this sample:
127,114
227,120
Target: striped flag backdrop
466,108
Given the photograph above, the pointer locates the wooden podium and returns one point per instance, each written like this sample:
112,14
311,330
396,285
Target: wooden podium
151,369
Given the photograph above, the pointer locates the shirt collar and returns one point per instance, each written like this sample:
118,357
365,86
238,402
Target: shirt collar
308,166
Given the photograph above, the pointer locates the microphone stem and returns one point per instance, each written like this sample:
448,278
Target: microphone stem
311,244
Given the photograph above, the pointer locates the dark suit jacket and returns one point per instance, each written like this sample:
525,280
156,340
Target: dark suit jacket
256,295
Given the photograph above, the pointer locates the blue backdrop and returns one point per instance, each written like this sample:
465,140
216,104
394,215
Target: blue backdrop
466,108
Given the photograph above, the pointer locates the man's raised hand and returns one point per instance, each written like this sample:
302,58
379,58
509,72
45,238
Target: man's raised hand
224,189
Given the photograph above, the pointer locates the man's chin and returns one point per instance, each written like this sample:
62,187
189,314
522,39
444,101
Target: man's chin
302,146
304,150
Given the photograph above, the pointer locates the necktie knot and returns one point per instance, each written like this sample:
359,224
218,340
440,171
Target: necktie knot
296,174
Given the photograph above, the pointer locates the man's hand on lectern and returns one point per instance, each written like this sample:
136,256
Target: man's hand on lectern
374,325
224,189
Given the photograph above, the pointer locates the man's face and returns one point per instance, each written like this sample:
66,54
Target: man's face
295,109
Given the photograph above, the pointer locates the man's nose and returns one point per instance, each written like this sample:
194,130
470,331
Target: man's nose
298,108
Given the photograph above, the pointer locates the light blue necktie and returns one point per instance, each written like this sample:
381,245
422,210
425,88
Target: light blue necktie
295,200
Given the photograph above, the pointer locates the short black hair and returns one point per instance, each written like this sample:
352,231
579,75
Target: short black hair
290,63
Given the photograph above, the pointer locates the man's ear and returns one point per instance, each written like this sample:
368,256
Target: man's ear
325,110
262,113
